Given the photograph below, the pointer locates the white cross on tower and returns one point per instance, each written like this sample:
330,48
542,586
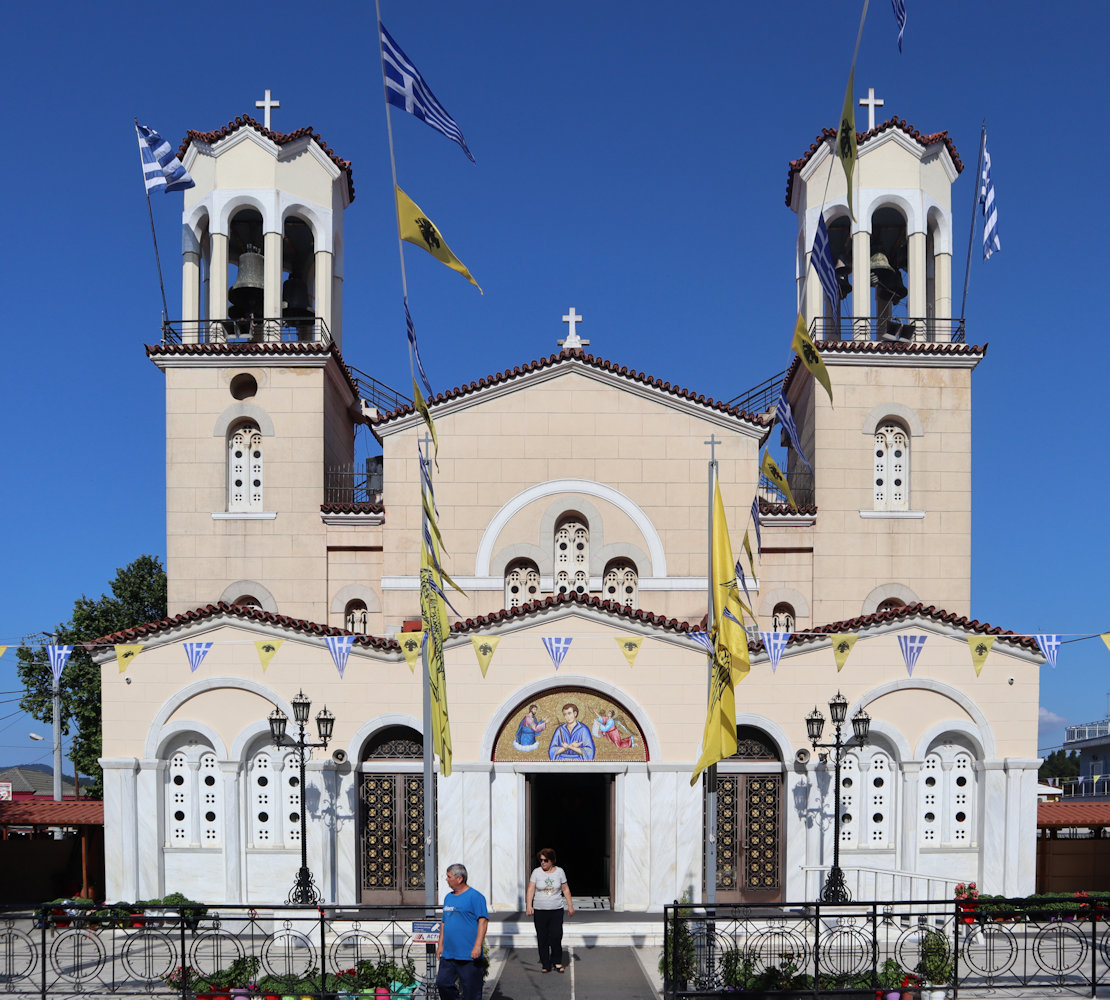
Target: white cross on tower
871,102
573,340
266,104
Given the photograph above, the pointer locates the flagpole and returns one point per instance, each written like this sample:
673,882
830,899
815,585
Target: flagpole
154,237
974,206
430,863
711,770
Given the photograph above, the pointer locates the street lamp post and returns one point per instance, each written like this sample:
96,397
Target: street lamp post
304,891
835,890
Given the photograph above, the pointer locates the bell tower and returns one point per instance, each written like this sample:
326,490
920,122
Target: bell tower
891,456
259,404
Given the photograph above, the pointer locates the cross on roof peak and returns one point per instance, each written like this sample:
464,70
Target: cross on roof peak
871,102
572,340
266,104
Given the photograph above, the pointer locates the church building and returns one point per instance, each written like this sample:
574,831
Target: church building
576,681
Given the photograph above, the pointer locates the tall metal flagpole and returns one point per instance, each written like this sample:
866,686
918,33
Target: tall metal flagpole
974,206
711,771
153,236
431,872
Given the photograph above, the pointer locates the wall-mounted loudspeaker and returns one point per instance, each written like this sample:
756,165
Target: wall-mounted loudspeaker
802,756
339,756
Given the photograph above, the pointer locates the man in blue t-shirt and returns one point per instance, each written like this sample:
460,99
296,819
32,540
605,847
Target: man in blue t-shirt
461,935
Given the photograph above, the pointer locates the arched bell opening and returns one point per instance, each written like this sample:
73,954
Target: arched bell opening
245,252
298,264
889,259
840,249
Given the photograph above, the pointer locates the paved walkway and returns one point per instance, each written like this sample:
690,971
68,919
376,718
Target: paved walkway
592,974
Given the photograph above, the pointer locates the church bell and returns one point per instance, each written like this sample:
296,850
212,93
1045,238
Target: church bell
245,296
887,279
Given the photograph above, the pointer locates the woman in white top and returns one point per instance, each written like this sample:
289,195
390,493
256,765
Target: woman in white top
547,888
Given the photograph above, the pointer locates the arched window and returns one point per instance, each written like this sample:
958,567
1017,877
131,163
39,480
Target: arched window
572,555
248,601
948,797
356,618
849,819
621,583
782,618
890,604
892,467
291,790
194,817
867,796
522,583
273,804
244,468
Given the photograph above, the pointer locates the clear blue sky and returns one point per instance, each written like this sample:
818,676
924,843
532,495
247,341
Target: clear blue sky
631,162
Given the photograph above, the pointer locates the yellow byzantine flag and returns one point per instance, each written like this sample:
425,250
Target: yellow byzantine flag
433,613
267,650
484,648
1105,638
418,229
421,407
810,356
126,653
771,470
411,644
842,643
846,137
730,648
980,649
748,550
630,646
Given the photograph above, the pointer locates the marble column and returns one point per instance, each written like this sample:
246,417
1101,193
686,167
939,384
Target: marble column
861,284
908,836
121,845
632,884
271,281
992,813
217,277
231,775
321,832
507,790
150,781
322,303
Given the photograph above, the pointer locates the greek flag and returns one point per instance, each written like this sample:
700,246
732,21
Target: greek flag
755,521
743,580
774,643
822,260
911,646
557,647
900,16
785,416
1049,645
340,648
405,88
991,243
59,657
702,639
161,167
410,330
196,651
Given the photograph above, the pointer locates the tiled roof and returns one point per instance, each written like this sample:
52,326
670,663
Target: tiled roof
352,508
39,812
613,608
1073,814
768,508
224,610
927,348
569,356
926,139
31,779
281,138
244,348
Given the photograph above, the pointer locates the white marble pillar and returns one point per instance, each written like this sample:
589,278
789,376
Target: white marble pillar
150,781
322,301
121,846
190,298
799,829
507,793
476,825
861,284
664,881
346,811
321,839
450,838
271,281
217,277
908,844
915,272
942,285
992,813
231,798
632,835
1021,826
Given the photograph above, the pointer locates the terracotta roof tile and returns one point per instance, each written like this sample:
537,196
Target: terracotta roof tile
352,508
568,356
281,138
829,134
582,600
768,508
37,812
1073,814
925,348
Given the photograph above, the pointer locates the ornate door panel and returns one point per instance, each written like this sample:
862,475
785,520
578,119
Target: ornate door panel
749,838
391,839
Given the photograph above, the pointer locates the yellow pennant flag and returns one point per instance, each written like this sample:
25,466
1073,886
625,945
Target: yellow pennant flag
842,643
846,137
411,643
731,663
267,650
771,471
125,653
484,648
433,613
1106,638
4,649
810,356
630,646
980,646
748,550
418,229
421,407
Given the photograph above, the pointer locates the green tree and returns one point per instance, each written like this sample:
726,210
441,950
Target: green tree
138,597
1060,764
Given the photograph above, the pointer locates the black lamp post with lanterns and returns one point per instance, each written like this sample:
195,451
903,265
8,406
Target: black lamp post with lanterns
304,891
835,890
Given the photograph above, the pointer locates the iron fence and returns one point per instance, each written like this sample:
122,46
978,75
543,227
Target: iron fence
936,329
250,330
864,949
351,484
801,486
197,951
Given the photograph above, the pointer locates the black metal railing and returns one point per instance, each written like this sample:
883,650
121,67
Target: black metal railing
279,330
349,484
190,951
801,486
378,393
944,330
762,397
1004,946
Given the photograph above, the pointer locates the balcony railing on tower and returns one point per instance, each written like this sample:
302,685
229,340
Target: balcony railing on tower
801,486
891,329
251,330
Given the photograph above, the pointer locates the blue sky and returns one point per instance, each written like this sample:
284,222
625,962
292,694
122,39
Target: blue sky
631,162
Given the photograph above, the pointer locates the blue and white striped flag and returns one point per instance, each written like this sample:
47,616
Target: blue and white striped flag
774,643
991,243
426,480
911,646
785,416
557,647
196,651
900,16
1049,645
410,331
405,88
59,657
340,648
702,639
161,167
755,521
822,261
743,581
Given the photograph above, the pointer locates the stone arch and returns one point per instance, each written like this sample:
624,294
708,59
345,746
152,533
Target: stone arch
240,587
884,592
939,223
781,595
356,592
959,727
898,411
243,411
227,210
309,215
911,213
366,731
172,731
772,729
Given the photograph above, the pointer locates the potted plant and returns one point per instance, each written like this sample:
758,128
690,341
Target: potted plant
237,980
739,968
966,895
181,978
911,986
890,979
402,979
935,965
273,987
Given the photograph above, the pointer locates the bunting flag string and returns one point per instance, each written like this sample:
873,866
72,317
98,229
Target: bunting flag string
557,647
702,639
1105,636
196,652
911,646
125,653
842,644
980,646
743,579
785,416
484,648
774,643
410,333
758,533
267,650
412,643
630,646
1049,645
3,650
340,648
59,657
748,552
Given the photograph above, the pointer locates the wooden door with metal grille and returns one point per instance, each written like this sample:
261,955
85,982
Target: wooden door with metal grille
391,839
